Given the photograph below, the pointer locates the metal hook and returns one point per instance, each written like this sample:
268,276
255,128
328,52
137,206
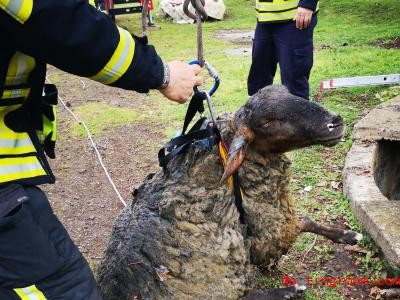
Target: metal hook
198,6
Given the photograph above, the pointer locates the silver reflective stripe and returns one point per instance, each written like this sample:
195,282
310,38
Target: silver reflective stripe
10,169
116,68
31,295
14,6
20,67
15,143
22,70
20,10
16,93
264,17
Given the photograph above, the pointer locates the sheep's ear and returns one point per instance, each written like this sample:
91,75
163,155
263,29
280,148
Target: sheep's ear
236,156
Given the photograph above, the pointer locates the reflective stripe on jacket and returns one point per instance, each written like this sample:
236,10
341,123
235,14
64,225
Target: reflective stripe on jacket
75,37
281,10
30,293
19,160
20,10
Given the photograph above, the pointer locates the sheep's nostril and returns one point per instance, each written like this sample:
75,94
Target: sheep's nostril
337,120
332,126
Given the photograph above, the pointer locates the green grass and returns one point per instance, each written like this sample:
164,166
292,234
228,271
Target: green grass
357,23
345,28
100,117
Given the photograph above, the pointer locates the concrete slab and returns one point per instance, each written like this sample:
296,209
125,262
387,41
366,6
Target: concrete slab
383,122
381,220
376,213
360,155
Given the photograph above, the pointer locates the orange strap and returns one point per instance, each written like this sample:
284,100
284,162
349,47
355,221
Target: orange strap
223,153
237,191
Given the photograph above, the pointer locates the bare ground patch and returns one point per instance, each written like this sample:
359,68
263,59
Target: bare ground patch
240,37
393,43
236,36
239,51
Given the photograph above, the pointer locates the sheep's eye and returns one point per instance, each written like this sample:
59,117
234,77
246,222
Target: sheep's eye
269,122
264,123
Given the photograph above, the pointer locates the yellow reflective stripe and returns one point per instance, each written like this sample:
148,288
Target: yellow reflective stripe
272,7
19,69
13,168
287,15
10,161
18,9
17,93
5,132
120,60
16,151
12,135
30,293
49,127
54,123
11,142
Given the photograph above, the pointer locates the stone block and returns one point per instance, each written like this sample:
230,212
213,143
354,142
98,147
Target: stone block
383,122
382,221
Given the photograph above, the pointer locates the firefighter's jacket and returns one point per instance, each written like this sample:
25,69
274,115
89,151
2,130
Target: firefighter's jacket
273,11
70,35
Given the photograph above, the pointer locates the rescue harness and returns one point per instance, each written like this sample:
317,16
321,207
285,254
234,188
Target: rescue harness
203,134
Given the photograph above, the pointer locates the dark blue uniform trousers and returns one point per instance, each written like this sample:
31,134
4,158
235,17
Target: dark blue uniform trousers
292,48
35,249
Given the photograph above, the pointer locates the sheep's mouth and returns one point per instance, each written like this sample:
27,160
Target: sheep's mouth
336,126
335,135
331,141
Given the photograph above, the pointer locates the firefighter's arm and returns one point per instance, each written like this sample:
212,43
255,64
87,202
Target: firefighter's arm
75,37
309,4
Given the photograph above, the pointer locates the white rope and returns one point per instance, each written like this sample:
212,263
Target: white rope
89,135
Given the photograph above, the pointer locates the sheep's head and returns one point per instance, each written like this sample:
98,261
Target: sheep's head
275,121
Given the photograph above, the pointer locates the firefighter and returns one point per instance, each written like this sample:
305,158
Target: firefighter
284,36
38,260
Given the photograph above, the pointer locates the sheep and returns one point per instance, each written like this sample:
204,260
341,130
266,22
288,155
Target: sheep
182,237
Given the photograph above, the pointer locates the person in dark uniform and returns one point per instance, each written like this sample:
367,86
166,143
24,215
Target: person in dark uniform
284,36
38,259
